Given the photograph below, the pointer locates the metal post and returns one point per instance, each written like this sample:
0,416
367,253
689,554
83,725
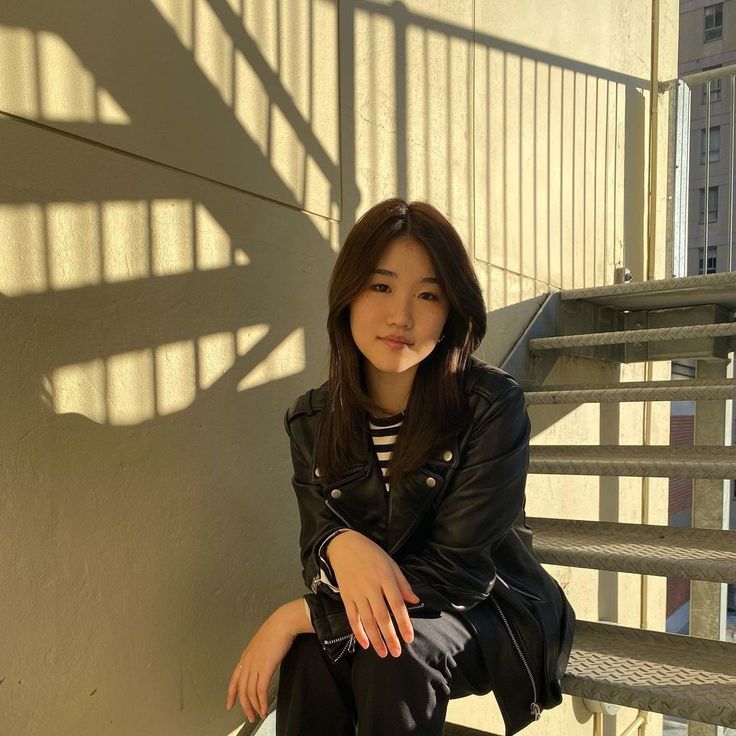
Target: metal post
730,174
710,511
706,196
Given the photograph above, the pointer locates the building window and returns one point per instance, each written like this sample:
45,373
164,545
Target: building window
712,205
715,87
715,144
713,22
711,265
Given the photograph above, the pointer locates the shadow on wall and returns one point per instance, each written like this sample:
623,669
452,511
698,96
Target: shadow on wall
154,326
157,316
142,441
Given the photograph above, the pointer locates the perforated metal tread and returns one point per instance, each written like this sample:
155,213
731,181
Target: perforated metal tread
688,291
664,673
630,337
634,460
686,390
695,554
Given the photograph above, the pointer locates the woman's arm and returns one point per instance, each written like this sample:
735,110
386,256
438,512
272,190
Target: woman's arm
259,660
371,585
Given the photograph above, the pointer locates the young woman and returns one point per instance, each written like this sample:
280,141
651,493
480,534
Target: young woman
409,470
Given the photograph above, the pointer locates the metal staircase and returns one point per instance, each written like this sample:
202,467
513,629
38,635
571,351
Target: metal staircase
686,676
691,317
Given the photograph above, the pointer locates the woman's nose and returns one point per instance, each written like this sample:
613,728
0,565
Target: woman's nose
400,312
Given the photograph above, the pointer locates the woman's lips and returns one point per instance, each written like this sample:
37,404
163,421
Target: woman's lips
394,344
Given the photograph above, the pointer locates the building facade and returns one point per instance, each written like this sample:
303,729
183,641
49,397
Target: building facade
708,41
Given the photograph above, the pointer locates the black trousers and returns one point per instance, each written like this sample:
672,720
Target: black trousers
392,696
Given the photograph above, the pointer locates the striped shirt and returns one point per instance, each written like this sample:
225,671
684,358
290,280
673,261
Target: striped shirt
384,431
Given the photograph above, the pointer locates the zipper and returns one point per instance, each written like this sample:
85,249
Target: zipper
534,708
349,640
338,514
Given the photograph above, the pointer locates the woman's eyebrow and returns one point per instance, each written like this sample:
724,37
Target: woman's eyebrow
386,272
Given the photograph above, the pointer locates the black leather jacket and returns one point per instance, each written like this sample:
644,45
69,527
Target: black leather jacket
456,529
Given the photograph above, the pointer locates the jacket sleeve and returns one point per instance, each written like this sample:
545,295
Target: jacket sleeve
318,525
454,568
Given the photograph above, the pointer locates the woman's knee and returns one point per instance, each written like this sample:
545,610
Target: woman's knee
419,661
305,651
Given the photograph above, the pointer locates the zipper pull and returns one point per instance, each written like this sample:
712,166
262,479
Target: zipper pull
351,643
535,711
315,583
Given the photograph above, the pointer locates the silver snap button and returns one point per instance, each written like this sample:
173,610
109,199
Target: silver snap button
447,456
431,482
318,472
335,493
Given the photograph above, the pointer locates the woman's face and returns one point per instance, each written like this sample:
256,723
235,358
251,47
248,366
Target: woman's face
401,299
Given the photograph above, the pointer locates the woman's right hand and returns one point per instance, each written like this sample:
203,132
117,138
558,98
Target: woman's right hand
370,584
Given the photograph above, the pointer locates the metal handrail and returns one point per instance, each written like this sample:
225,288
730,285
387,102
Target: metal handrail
698,77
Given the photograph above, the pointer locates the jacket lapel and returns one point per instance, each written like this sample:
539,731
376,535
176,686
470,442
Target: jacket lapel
360,498
412,497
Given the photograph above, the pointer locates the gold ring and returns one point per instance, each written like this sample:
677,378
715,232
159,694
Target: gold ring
241,666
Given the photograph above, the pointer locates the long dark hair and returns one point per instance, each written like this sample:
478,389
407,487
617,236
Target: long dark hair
436,402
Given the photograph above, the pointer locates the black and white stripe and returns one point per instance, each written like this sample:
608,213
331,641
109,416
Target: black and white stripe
384,431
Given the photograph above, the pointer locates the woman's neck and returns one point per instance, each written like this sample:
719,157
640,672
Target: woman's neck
389,390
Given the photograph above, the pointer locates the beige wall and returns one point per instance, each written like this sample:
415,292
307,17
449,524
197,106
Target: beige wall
177,177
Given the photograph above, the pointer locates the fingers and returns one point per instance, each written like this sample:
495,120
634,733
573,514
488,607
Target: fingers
371,628
386,625
243,697
406,592
356,625
379,626
251,689
398,608
257,693
232,688
262,693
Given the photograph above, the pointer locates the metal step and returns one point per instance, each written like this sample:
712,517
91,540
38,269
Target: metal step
716,288
664,673
626,337
694,554
634,460
685,390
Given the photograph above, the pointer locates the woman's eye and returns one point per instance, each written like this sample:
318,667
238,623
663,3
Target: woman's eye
426,296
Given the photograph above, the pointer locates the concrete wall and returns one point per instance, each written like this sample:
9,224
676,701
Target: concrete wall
177,177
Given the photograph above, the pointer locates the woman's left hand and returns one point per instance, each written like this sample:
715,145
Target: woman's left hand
259,660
